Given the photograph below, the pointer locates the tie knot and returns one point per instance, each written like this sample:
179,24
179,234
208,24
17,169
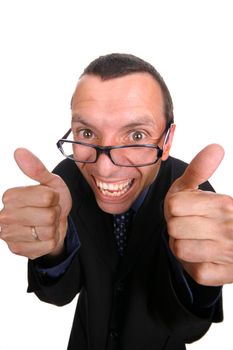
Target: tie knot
122,219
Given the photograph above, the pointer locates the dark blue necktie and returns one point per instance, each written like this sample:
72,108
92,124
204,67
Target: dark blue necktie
121,224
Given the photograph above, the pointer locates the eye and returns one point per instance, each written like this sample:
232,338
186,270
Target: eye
87,133
84,134
137,136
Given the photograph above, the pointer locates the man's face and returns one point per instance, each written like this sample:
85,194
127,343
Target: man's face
119,111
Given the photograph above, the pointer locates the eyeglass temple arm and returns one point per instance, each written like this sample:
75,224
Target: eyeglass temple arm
61,141
66,134
168,130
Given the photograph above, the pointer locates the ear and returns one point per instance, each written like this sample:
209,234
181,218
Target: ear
168,142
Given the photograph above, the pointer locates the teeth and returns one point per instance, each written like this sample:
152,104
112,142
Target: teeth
114,190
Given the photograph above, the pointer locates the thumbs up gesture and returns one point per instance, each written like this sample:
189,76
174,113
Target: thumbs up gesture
33,220
200,223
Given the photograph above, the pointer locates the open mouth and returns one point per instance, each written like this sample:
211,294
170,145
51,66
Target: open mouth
114,189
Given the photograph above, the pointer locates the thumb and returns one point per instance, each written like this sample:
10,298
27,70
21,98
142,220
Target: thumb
33,167
36,170
200,169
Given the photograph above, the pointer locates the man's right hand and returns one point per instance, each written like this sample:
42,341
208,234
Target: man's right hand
33,220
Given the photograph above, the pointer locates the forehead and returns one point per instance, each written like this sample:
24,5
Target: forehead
131,95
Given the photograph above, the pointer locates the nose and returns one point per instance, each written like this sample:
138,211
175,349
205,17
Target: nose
105,166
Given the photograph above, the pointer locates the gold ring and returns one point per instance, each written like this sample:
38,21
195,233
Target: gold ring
34,233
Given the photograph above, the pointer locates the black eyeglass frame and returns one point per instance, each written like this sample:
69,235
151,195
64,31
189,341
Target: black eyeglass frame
107,149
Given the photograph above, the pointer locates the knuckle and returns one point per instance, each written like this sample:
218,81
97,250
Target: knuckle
7,196
48,197
6,218
172,227
15,248
51,216
228,253
51,245
228,230
225,202
33,256
4,236
201,274
178,249
173,205
50,233
183,250
209,274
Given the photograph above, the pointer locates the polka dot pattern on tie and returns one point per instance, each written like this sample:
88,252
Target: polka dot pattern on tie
120,224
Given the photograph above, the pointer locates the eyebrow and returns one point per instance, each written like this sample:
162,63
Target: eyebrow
135,122
141,120
77,118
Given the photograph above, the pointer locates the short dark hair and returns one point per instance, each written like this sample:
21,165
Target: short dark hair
117,65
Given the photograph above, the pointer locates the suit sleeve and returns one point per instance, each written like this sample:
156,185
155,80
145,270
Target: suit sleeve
72,245
203,301
178,304
58,291
60,283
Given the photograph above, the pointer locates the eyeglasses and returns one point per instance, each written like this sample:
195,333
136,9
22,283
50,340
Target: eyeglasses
126,156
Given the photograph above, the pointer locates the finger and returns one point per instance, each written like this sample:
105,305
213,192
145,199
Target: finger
200,169
195,227
32,250
199,251
17,233
210,274
32,196
32,216
35,169
202,203
196,202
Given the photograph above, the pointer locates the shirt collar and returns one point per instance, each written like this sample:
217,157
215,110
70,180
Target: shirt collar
136,205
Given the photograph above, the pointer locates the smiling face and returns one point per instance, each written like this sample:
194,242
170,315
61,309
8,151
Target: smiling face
120,111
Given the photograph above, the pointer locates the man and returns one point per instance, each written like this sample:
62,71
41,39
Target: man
156,283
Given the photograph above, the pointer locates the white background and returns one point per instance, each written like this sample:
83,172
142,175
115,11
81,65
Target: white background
44,46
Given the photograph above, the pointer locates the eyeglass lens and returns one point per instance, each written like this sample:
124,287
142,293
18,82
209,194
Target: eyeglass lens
127,156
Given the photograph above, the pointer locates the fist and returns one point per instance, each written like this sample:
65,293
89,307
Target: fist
33,221
200,224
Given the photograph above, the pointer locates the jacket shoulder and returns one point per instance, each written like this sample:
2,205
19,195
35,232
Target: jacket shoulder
177,167
69,172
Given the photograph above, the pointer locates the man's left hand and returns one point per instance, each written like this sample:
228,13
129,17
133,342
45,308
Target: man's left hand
200,223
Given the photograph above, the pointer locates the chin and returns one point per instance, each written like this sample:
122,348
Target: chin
113,208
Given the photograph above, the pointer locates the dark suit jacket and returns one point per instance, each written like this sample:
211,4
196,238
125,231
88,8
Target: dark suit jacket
129,303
